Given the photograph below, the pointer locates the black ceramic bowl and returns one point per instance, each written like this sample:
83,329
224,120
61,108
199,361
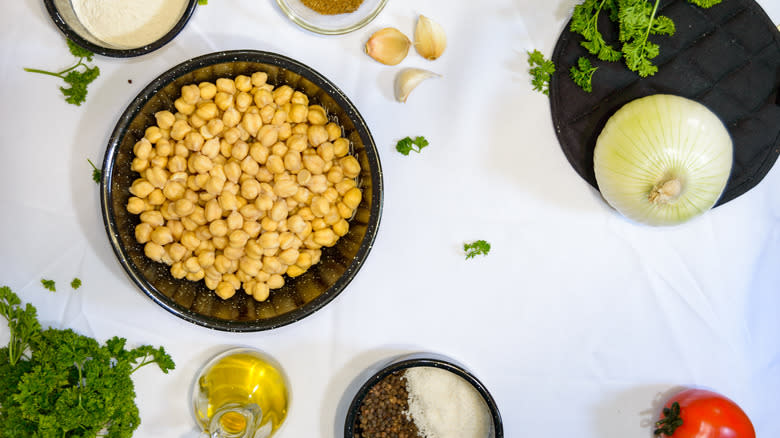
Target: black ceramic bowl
352,421
64,16
193,301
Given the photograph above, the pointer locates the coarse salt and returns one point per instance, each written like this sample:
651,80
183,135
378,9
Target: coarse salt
444,405
129,23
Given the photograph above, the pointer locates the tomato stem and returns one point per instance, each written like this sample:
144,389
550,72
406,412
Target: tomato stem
670,422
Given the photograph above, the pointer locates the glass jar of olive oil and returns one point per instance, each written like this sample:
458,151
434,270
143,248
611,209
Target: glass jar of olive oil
241,393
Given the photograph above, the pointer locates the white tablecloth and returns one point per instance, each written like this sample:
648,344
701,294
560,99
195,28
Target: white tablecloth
579,322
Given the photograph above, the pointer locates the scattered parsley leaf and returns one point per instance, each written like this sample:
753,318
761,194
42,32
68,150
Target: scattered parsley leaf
582,74
97,174
77,79
203,2
406,145
476,248
541,71
67,385
49,284
705,3
76,283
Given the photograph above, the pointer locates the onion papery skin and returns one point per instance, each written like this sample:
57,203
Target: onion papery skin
657,138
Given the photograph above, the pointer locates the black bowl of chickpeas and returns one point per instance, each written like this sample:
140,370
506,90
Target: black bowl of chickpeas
241,190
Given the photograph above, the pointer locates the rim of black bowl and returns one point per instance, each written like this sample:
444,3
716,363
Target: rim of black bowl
71,34
372,155
422,360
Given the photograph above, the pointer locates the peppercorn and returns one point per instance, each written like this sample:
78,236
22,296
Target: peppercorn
383,411
333,7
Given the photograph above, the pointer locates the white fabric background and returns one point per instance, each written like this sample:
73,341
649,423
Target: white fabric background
578,321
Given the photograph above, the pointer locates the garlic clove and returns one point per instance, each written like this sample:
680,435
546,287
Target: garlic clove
429,38
388,46
408,79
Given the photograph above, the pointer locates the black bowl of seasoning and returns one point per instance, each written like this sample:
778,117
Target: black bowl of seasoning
192,300
120,28
331,17
423,394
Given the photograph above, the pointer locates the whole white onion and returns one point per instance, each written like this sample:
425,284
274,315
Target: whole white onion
663,159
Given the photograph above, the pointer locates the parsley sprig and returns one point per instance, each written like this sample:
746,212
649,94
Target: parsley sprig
406,145
76,78
97,174
476,248
59,383
541,71
582,74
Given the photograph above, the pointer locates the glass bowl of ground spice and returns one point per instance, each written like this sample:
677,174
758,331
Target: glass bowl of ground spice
331,17
423,395
120,28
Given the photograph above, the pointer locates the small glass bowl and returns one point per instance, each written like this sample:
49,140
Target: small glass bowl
331,24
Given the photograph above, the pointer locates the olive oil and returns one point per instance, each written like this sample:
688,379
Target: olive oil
245,391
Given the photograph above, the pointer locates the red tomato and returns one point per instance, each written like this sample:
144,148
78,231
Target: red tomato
704,414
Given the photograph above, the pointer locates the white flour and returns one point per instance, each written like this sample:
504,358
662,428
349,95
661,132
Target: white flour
443,405
129,23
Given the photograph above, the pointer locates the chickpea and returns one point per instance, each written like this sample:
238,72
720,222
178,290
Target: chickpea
212,129
200,163
218,228
252,123
228,201
232,171
210,148
335,175
263,99
153,218
278,211
326,151
276,281
285,188
313,163
259,78
268,135
340,147
176,251
207,90
177,271
234,220
225,290
193,141
177,164
156,197
317,134
320,206
180,129
252,227
190,94
344,211
352,198
207,110
154,251
250,266
274,163
138,165
233,253
183,107
317,184
165,119
294,271
288,256
317,115
282,94
243,101
136,205
350,166
272,265
249,166
141,188
240,150
264,175
223,100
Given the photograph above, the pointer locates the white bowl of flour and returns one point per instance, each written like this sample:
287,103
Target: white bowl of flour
120,28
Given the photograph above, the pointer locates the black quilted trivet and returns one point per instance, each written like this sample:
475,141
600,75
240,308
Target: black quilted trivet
726,57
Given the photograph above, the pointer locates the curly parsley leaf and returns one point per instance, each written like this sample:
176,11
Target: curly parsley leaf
69,385
541,71
582,73
97,174
407,144
23,324
76,283
77,77
705,3
476,248
203,2
584,21
49,284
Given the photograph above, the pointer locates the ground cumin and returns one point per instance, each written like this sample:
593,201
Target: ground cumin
332,7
